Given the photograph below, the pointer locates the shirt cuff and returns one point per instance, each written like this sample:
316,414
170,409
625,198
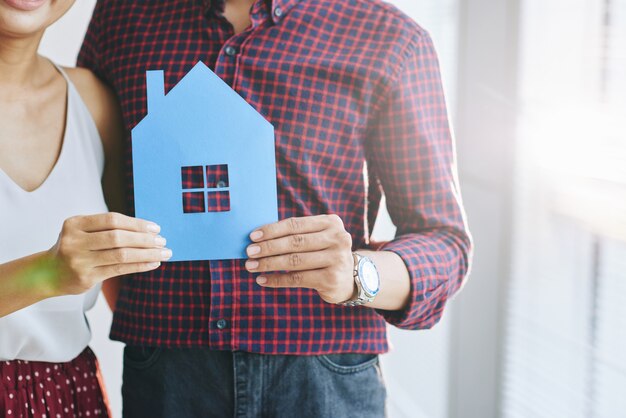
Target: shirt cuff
437,265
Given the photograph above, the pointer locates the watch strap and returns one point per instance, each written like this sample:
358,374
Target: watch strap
361,297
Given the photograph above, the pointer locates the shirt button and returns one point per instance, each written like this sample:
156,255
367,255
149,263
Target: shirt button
278,12
221,324
230,51
221,184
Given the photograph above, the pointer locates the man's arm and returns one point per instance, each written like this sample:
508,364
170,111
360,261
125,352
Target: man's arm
410,150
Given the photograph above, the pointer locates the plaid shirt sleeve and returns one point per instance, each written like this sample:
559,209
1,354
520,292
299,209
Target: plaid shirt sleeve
411,153
88,56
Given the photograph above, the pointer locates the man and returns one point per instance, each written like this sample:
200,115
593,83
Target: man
295,330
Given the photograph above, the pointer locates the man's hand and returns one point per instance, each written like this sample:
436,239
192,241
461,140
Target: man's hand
313,252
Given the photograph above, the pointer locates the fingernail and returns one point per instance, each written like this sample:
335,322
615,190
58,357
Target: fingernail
256,235
154,228
160,241
166,254
254,249
261,280
252,264
154,265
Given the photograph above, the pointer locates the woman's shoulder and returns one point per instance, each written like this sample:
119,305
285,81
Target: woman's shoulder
100,100
98,97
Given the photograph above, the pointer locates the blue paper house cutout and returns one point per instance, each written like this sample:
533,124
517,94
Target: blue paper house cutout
203,166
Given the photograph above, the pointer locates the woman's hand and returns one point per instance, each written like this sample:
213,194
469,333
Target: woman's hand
315,252
91,249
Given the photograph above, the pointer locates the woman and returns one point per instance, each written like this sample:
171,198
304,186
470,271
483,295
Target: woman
57,243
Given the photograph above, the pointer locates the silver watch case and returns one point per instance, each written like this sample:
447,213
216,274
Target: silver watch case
364,295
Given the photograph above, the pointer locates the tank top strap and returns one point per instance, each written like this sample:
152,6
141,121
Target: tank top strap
62,72
80,123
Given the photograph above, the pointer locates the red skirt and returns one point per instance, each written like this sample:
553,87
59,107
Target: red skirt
52,390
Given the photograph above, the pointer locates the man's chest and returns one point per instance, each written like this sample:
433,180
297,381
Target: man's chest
304,77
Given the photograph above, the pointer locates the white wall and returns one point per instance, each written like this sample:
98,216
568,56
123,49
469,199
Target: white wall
486,130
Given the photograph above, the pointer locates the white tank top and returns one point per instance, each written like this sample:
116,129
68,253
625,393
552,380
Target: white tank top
55,329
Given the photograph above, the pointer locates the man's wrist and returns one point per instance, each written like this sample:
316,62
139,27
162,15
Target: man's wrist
366,281
395,280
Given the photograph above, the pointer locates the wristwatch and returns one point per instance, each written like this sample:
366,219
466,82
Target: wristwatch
367,281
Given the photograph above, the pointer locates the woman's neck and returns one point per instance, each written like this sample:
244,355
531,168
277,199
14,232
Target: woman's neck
19,62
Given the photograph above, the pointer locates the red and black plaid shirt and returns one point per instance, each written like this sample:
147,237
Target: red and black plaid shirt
343,83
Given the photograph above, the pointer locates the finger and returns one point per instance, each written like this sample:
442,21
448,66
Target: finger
119,238
112,220
130,256
123,269
293,243
305,279
293,226
293,262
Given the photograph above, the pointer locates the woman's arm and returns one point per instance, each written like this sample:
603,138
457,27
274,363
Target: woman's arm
105,110
26,281
90,249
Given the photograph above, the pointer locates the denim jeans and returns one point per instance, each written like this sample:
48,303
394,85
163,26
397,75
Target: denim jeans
202,383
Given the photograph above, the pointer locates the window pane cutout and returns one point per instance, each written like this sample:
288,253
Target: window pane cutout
217,176
193,177
218,201
205,188
193,202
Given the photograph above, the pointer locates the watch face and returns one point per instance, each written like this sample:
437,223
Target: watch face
369,277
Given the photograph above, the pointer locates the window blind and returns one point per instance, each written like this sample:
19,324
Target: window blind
609,363
566,316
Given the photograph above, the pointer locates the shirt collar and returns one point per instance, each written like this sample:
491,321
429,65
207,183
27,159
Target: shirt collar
280,8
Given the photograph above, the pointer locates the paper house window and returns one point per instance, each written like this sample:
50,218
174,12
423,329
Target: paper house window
217,176
205,189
